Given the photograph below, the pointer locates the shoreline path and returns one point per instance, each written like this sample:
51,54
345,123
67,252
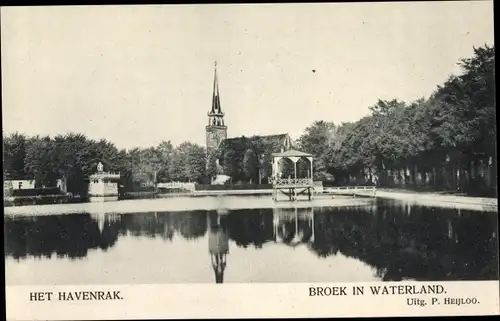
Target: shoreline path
251,199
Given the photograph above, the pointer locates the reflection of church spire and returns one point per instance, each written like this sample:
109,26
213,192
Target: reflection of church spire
218,245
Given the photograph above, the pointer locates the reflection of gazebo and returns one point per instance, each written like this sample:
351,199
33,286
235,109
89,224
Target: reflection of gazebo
293,225
290,185
218,244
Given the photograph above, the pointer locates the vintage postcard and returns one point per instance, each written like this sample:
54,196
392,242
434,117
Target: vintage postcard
258,160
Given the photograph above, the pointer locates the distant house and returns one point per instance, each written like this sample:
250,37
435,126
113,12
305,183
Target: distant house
30,184
259,144
220,180
16,184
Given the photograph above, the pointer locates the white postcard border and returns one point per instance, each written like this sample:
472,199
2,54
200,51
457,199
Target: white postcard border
252,300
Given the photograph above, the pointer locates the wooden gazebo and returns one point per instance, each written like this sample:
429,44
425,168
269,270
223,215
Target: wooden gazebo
292,186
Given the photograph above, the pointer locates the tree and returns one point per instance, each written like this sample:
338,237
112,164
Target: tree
164,152
316,140
188,163
196,163
212,164
14,147
445,141
230,165
250,165
40,161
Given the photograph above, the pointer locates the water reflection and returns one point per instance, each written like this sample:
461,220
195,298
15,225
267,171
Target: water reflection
66,236
218,243
399,241
293,226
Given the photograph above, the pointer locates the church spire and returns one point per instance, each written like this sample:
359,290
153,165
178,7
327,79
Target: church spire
216,108
216,131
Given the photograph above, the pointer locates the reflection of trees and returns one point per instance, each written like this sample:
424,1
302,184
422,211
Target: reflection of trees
286,231
73,235
250,227
147,224
420,243
293,226
65,235
190,225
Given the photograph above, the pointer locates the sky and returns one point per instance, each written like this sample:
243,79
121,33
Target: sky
139,75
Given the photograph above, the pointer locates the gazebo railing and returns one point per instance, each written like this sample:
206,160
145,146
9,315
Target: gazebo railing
292,182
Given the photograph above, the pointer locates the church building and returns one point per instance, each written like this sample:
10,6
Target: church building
217,138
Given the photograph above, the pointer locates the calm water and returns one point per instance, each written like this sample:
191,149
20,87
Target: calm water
387,241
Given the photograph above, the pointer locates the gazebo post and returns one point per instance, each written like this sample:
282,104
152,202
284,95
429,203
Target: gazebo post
311,162
312,177
294,178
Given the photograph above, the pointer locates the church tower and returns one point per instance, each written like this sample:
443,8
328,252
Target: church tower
216,131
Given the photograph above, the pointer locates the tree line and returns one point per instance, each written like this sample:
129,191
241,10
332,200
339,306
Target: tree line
447,141
75,157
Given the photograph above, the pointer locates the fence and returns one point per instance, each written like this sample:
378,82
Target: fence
293,182
36,191
233,187
177,186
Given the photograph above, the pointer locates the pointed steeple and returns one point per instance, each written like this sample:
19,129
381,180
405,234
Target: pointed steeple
216,131
216,107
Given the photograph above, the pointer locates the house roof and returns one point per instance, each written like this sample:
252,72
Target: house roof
292,153
237,143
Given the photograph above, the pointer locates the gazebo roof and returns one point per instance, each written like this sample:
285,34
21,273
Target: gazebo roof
291,153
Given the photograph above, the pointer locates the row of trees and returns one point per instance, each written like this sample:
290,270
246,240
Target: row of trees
245,159
445,141
75,157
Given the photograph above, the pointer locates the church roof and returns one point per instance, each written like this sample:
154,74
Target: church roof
241,143
291,153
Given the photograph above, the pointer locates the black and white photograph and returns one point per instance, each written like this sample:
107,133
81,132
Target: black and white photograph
248,144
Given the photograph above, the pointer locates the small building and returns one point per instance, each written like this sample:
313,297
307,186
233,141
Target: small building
103,183
20,184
